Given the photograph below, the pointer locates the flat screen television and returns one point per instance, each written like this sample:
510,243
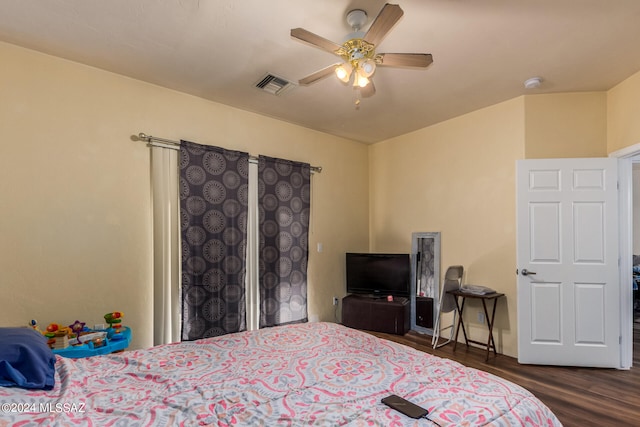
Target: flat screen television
378,274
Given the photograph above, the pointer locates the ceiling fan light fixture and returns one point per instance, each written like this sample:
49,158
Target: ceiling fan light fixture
343,72
367,67
360,80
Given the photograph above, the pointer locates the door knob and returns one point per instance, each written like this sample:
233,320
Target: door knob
526,272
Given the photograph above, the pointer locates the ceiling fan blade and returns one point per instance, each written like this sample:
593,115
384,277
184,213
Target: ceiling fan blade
368,90
386,19
315,40
405,59
318,75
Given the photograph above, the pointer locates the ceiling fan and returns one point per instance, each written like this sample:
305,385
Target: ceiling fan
359,51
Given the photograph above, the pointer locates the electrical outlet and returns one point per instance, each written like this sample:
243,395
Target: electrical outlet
335,300
480,317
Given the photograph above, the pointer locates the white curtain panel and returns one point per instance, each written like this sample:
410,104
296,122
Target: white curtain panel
166,245
252,290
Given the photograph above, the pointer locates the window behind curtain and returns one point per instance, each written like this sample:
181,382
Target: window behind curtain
218,186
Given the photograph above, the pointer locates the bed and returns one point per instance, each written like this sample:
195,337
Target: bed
320,374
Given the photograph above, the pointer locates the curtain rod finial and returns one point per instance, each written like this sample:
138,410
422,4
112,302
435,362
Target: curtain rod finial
143,136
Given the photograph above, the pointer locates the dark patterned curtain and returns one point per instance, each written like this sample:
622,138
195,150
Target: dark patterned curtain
213,223
283,200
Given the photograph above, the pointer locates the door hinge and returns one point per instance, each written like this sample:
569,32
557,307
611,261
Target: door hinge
618,185
620,340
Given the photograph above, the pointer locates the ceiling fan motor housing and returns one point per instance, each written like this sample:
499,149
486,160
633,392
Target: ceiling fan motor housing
356,49
356,19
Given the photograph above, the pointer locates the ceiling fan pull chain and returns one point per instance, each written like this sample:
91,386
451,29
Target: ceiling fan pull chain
356,97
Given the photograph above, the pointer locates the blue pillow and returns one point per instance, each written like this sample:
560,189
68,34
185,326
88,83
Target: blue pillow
26,360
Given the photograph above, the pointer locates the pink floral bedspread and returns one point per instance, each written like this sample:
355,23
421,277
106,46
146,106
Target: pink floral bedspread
320,374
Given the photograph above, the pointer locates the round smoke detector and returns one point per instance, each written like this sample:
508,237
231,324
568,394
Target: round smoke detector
533,83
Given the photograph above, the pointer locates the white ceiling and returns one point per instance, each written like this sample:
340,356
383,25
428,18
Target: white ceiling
483,50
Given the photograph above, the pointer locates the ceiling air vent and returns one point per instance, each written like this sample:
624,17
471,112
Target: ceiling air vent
274,85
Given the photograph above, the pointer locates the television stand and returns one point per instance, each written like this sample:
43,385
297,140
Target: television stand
377,314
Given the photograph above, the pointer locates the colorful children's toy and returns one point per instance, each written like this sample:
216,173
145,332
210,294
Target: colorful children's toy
114,320
97,344
34,324
77,327
58,336
77,340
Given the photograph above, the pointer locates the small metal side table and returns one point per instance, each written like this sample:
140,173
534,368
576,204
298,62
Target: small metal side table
490,344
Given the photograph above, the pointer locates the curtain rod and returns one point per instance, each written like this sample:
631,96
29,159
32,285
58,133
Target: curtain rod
168,143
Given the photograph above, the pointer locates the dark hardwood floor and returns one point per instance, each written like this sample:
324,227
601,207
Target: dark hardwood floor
578,396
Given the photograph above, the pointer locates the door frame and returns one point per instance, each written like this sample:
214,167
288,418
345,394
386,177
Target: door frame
626,157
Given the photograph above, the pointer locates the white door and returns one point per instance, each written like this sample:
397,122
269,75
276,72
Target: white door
567,256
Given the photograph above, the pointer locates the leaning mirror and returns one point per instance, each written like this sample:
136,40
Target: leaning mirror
425,280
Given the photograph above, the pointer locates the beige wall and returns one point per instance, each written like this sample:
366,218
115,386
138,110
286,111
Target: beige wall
566,125
623,117
75,189
456,178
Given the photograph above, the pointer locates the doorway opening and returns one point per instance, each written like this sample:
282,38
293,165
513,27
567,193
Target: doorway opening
629,159
635,185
